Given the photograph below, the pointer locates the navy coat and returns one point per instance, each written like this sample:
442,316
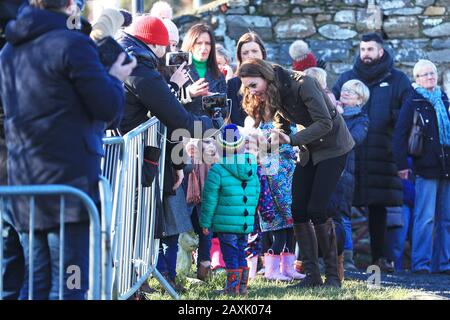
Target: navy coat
377,182
342,198
238,114
57,98
435,162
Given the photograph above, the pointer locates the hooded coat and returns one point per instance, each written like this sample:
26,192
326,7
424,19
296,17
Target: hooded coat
230,195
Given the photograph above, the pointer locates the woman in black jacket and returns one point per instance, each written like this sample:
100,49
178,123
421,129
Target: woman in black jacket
296,98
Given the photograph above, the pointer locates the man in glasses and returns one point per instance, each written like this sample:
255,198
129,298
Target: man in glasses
377,185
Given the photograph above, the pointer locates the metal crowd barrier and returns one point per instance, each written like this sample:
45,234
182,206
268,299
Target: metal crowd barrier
135,250
98,273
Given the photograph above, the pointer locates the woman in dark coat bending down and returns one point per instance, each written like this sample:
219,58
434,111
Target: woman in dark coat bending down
325,141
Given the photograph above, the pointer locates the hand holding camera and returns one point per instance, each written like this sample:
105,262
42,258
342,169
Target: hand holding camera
199,88
122,71
180,76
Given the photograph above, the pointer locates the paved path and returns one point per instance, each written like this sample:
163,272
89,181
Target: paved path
433,286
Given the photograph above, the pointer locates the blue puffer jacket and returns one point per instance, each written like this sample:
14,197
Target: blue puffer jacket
342,199
57,98
435,162
376,179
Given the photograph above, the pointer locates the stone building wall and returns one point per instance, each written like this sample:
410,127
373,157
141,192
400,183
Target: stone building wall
413,29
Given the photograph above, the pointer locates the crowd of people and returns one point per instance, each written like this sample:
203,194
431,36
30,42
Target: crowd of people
271,193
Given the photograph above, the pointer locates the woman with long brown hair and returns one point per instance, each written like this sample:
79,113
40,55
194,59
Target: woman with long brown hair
249,45
294,98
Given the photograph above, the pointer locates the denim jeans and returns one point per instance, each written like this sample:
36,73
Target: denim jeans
204,242
431,216
167,259
46,263
347,223
13,263
396,238
233,249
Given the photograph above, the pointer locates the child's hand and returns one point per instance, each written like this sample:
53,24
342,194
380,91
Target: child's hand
205,231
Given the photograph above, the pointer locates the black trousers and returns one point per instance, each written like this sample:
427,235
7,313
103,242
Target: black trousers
377,230
312,188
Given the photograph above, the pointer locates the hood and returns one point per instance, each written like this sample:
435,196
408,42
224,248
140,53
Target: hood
242,166
32,23
138,49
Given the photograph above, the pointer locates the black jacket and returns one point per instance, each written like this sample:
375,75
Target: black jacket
305,103
435,161
377,182
237,113
147,91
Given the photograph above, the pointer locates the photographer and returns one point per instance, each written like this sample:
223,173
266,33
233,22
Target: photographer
57,103
145,89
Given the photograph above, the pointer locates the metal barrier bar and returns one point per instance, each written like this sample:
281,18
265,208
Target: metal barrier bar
95,240
134,248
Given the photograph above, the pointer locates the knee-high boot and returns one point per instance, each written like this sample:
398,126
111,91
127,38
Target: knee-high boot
306,239
326,238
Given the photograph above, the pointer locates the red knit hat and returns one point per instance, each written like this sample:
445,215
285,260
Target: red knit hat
304,63
150,30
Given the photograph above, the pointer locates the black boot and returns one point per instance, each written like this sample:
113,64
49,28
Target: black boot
306,239
326,237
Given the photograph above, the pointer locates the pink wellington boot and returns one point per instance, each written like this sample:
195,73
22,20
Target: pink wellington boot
287,266
252,263
216,255
272,263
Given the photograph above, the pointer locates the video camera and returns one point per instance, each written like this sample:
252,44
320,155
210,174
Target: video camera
217,106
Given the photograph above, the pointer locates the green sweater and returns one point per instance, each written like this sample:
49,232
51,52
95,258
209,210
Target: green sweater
230,195
200,67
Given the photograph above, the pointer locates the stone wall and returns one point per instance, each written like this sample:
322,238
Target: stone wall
413,29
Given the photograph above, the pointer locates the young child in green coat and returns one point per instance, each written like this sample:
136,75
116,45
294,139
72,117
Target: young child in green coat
229,200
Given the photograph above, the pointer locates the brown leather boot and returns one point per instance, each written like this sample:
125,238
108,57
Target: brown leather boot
326,237
204,271
341,267
306,239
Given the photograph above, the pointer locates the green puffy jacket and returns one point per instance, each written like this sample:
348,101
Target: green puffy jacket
230,195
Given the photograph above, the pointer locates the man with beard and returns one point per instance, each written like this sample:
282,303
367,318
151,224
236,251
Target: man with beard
377,184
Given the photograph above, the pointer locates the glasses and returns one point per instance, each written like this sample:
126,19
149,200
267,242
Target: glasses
428,74
350,92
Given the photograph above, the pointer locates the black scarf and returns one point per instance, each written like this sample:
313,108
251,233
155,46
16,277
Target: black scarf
372,73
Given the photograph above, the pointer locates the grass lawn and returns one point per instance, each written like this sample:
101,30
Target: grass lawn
261,289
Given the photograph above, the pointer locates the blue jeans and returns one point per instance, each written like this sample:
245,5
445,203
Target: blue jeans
167,259
431,216
13,263
233,249
347,223
46,263
396,238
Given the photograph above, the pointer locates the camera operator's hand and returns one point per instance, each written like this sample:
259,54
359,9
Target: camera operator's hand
120,71
199,88
180,76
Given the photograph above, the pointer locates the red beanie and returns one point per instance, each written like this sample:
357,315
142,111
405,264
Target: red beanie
150,30
307,62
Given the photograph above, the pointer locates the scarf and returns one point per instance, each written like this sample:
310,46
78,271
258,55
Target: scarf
435,98
372,73
351,111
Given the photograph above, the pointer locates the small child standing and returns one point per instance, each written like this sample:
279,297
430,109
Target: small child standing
229,201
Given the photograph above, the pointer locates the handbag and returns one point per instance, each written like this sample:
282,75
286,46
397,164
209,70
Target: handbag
416,136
